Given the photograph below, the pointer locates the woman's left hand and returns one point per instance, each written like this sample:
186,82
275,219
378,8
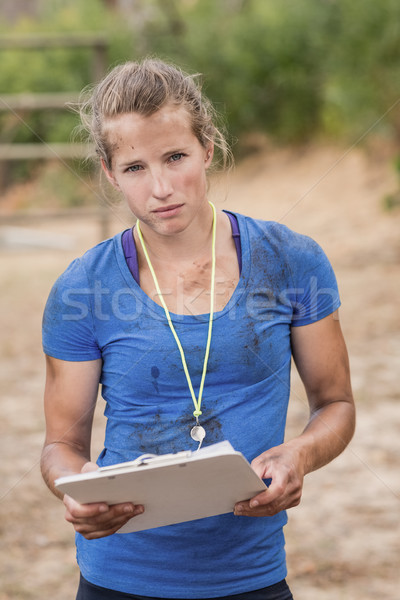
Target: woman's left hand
282,465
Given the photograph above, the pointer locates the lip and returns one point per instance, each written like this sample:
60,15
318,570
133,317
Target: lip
166,211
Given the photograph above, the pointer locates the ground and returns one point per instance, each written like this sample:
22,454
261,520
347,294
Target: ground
343,541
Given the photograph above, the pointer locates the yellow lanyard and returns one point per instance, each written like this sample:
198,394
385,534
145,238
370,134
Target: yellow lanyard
196,401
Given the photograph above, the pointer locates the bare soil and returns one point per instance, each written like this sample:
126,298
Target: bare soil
343,541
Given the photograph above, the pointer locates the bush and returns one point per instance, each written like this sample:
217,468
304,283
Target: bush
261,62
52,70
291,69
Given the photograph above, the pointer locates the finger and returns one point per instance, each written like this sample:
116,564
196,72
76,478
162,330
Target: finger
101,516
96,530
265,498
269,464
260,467
113,521
275,490
77,510
89,466
243,509
243,506
268,502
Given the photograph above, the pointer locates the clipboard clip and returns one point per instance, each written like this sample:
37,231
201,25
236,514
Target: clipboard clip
150,459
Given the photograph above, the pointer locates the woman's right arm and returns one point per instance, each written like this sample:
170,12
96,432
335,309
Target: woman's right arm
70,399
69,402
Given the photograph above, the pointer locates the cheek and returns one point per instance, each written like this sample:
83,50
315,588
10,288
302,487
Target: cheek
134,191
195,180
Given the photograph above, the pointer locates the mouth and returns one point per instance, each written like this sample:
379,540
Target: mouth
168,210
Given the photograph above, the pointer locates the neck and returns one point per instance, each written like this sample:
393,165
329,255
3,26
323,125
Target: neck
187,245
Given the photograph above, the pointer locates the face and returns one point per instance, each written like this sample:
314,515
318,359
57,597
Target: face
159,166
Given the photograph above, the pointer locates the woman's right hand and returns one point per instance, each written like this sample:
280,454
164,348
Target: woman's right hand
97,520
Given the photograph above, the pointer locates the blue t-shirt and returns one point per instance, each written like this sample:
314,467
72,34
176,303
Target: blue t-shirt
97,310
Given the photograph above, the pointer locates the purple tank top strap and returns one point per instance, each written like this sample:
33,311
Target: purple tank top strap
130,253
236,238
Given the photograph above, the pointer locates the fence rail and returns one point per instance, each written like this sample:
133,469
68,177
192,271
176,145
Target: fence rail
53,40
28,101
97,43
10,152
40,216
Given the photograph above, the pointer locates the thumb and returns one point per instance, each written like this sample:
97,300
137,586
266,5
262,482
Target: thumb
262,466
89,466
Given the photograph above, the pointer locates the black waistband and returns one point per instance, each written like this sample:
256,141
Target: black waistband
89,591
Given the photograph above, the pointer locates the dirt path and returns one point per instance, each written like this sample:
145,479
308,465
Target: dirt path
343,541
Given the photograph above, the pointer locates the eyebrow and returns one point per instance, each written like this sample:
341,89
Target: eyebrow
164,155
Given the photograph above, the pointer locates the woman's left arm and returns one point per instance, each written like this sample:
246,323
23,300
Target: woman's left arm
320,354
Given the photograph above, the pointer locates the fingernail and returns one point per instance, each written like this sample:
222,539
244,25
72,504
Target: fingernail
254,503
128,509
103,508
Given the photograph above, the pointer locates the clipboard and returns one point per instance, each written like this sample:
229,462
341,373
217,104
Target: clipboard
173,488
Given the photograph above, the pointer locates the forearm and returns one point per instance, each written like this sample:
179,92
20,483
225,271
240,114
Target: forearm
326,435
321,358
60,459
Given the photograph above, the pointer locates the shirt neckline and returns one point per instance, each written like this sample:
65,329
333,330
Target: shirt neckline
158,310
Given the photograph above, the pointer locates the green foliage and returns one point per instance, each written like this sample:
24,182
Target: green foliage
392,201
57,69
363,64
261,63
291,69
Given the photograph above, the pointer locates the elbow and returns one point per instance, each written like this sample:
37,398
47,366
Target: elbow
351,410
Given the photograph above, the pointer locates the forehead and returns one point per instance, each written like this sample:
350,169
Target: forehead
166,123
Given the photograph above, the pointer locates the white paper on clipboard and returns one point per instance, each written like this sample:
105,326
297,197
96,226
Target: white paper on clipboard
173,488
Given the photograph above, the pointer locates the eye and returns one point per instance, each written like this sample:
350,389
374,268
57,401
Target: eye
177,156
134,168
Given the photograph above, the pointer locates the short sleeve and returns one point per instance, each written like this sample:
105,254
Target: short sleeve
68,331
315,294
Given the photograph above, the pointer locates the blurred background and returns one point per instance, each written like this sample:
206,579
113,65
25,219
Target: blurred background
309,92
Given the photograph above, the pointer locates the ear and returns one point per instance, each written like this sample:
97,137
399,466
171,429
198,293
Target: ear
209,155
109,174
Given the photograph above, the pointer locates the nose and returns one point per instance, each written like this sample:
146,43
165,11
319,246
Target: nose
162,187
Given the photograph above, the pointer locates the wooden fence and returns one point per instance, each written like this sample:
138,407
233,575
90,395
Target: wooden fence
29,102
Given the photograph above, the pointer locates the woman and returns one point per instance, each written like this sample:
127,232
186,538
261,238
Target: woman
192,308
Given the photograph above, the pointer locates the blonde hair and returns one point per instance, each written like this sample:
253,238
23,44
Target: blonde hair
145,87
